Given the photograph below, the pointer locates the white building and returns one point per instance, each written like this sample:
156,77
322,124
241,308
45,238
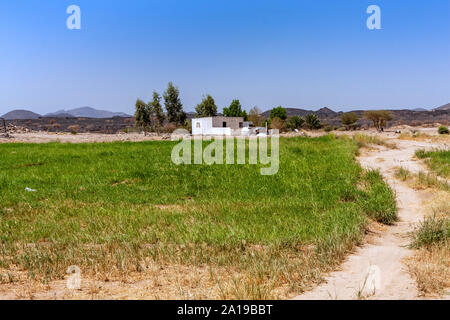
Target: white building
213,126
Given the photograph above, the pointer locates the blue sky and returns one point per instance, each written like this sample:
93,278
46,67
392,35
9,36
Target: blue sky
307,54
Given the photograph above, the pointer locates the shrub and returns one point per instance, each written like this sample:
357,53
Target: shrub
402,174
433,230
74,129
349,119
422,154
169,127
277,123
295,122
443,130
255,117
187,126
312,121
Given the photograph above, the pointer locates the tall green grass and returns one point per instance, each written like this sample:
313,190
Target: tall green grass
439,161
107,206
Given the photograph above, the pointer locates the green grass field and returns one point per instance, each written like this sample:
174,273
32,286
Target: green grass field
439,161
108,206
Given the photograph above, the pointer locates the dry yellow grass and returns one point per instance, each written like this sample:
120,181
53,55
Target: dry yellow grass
422,180
430,265
431,269
364,140
420,136
171,280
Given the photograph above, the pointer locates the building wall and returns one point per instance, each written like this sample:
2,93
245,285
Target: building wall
231,122
204,126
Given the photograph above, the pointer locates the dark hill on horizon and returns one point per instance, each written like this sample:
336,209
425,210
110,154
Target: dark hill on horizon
20,115
444,107
87,112
406,116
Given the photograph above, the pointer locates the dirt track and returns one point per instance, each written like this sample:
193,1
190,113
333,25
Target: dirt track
376,270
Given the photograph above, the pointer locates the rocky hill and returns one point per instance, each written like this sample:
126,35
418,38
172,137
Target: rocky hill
20,114
87,112
409,117
444,107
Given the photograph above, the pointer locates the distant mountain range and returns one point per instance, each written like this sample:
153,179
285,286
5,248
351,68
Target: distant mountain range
87,112
323,113
444,107
20,114
84,112
326,113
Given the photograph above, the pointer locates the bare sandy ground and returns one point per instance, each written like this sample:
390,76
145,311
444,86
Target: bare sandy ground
376,270
46,137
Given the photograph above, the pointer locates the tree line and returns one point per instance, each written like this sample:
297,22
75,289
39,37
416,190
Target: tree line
151,116
278,120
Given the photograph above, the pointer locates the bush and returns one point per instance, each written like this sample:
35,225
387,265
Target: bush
443,130
349,119
255,117
277,123
169,127
74,129
295,122
312,121
433,230
416,123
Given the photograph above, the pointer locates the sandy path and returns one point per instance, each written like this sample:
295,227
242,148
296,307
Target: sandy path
376,270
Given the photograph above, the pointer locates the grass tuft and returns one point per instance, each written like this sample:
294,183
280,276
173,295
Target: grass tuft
433,230
431,263
364,140
437,160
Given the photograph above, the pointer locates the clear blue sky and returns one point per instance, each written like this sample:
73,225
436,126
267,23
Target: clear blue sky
308,54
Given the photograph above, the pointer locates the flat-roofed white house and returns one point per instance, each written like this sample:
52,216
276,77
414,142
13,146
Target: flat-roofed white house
223,126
